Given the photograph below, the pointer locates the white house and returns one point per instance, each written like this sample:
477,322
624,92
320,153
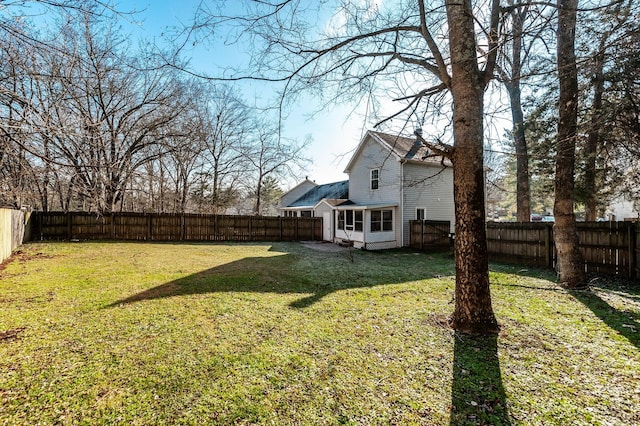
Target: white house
623,208
392,180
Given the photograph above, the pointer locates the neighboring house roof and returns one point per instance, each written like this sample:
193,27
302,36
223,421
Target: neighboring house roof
296,192
402,148
333,191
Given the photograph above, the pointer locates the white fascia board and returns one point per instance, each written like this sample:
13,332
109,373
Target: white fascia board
366,207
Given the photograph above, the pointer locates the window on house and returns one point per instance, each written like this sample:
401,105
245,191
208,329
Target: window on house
349,220
381,220
421,214
358,220
305,213
375,178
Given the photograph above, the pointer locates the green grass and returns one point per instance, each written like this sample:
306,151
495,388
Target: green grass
132,333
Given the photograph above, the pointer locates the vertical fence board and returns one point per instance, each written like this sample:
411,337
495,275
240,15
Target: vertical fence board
429,234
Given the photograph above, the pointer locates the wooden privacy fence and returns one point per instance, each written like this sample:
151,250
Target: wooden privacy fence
611,248
429,234
172,227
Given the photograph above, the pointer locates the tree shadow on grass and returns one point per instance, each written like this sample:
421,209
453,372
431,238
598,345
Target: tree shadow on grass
625,322
477,393
323,274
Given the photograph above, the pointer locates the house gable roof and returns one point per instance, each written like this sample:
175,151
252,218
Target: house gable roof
401,147
306,181
334,190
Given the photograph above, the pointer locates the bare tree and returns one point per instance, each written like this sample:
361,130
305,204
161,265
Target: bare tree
268,157
121,110
223,127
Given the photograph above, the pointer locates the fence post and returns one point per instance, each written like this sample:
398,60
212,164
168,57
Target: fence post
422,235
69,231
40,216
113,226
548,246
149,230
297,235
280,230
410,233
631,235
183,227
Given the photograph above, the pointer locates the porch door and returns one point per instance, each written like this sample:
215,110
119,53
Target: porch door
327,226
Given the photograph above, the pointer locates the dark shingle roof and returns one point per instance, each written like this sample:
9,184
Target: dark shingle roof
335,190
404,147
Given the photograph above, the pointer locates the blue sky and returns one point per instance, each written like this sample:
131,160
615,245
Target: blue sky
334,135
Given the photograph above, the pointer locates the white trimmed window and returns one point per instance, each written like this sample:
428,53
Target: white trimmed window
421,213
375,179
381,220
350,220
358,220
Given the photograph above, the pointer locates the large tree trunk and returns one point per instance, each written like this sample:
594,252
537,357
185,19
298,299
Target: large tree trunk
473,312
570,263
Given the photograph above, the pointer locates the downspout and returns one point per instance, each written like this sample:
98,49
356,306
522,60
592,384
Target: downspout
402,163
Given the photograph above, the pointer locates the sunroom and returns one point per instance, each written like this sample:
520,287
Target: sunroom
368,227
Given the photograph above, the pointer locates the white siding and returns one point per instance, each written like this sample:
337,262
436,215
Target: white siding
622,209
319,212
378,239
427,187
375,156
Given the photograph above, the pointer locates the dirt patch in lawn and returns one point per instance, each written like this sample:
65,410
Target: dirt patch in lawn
22,256
12,334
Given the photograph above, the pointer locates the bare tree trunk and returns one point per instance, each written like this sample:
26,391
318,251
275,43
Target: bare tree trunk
258,205
523,206
594,137
523,201
473,313
570,263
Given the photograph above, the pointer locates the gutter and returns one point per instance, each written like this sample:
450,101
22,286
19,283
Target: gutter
401,209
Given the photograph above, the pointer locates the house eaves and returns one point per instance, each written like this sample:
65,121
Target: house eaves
331,202
402,148
362,144
350,205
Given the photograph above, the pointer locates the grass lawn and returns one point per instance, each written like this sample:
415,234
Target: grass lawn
135,333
